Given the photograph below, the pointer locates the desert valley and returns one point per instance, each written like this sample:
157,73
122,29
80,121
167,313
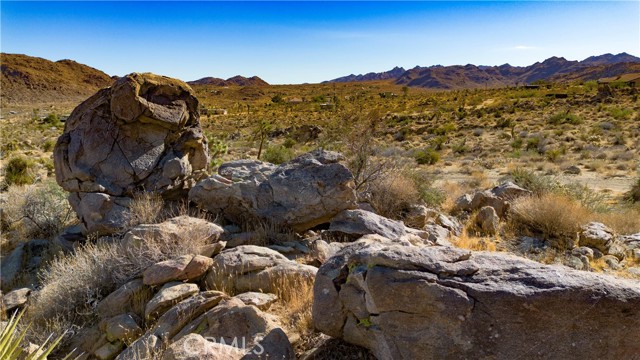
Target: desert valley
438,212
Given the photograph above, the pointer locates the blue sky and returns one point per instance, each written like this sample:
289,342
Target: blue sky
296,42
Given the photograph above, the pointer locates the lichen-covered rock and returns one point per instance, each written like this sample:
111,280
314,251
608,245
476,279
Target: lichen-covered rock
141,134
440,302
302,193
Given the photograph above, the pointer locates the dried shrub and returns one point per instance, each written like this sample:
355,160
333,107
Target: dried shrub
556,217
74,284
37,211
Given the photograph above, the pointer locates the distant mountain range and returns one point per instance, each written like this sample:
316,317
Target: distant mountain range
236,80
394,73
27,79
473,76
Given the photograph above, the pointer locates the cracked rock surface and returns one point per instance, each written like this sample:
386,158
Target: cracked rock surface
141,134
302,193
439,302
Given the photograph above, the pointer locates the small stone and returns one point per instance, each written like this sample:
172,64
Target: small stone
488,220
166,271
572,170
583,250
123,327
16,298
260,300
198,266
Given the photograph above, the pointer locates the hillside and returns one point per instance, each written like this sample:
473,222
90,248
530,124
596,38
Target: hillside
27,79
236,80
472,76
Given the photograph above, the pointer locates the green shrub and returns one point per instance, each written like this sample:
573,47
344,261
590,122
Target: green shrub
11,340
53,120
517,143
48,145
553,154
277,154
443,129
289,143
529,180
620,114
431,196
533,143
502,123
217,149
634,194
19,171
427,156
276,99
10,146
564,118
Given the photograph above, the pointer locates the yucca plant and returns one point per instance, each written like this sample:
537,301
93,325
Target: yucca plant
10,341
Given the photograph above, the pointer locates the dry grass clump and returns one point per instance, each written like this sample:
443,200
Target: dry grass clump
393,195
464,241
557,217
295,301
622,221
146,208
36,211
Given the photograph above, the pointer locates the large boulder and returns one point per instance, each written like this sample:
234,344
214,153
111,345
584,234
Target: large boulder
302,193
141,134
446,303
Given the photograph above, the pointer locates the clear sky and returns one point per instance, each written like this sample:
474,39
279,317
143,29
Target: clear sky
296,42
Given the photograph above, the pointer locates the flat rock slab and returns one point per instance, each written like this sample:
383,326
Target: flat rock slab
260,300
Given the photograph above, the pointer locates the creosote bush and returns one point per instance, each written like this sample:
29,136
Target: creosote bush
278,154
427,156
19,171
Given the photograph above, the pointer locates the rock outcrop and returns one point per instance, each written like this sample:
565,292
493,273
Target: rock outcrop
499,198
445,303
302,193
141,134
